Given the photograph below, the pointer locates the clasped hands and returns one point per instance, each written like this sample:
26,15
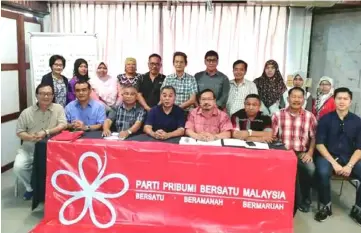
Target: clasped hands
342,171
37,136
160,135
207,137
78,125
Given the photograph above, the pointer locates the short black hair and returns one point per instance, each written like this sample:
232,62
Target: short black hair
204,91
41,85
296,89
342,90
168,88
240,62
180,54
252,96
83,82
211,53
155,55
54,58
129,86
77,64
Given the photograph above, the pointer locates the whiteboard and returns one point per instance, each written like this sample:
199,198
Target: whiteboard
70,46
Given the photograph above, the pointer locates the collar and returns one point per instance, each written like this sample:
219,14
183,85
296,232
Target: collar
259,114
302,112
214,111
90,103
36,107
181,78
156,77
124,107
160,106
345,118
234,82
217,73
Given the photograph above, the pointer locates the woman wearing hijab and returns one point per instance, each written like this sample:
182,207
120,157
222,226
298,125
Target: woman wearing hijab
325,102
270,87
130,77
106,89
80,74
298,81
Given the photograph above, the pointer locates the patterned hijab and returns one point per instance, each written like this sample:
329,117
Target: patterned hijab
271,89
322,98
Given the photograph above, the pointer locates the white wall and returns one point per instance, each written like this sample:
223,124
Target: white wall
9,89
336,51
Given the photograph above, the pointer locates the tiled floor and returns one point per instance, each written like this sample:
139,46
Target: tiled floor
17,216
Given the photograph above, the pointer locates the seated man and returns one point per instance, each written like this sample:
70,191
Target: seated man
128,117
207,122
250,124
165,120
339,151
84,113
296,128
35,123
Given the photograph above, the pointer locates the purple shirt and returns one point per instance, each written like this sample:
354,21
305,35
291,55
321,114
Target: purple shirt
71,89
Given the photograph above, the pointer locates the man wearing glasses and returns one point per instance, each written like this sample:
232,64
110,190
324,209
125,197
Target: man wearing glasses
149,88
34,124
338,142
213,79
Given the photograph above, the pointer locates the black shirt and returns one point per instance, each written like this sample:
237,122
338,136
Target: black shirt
151,90
340,137
240,121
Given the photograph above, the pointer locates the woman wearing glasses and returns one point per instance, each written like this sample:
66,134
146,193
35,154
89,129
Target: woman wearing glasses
325,102
56,80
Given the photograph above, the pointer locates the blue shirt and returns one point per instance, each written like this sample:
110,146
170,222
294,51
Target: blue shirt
93,114
341,138
159,120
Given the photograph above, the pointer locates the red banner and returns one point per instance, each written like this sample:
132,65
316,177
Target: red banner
106,186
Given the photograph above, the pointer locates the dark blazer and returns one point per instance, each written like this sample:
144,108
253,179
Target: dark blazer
48,79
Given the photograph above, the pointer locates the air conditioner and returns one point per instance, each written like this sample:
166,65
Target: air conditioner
295,3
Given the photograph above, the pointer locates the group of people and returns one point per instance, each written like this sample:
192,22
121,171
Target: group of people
325,135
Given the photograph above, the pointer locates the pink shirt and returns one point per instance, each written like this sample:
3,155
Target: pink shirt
215,123
107,89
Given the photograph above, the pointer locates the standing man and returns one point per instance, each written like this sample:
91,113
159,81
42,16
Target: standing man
240,88
339,152
296,128
213,79
41,120
84,113
150,83
184,84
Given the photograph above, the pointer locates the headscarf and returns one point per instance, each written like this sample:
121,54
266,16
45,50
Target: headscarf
96,72
322,98
80,77
302,75
271,89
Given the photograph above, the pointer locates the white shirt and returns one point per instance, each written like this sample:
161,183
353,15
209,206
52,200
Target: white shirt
238,94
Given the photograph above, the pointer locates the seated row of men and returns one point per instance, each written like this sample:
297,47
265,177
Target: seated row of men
337,139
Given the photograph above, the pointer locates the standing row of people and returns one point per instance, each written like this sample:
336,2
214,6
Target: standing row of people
230,93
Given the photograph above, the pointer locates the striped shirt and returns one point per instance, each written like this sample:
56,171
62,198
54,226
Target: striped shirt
295,131
238,94
124,118
184,86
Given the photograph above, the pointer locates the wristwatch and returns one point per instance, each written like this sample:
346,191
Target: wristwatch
47,132
129,132
249,132
350,165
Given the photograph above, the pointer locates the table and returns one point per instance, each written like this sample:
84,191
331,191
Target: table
208,173
39,164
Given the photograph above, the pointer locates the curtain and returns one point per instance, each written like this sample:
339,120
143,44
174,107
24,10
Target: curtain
123,29
251,33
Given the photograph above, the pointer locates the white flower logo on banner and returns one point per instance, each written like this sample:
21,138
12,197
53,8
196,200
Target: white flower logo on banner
89,191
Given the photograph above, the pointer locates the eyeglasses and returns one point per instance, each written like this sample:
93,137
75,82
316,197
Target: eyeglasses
58,65
154,64
211,60
43,94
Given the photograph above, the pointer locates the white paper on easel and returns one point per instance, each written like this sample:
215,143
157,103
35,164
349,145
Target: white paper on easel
259,145
234,142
